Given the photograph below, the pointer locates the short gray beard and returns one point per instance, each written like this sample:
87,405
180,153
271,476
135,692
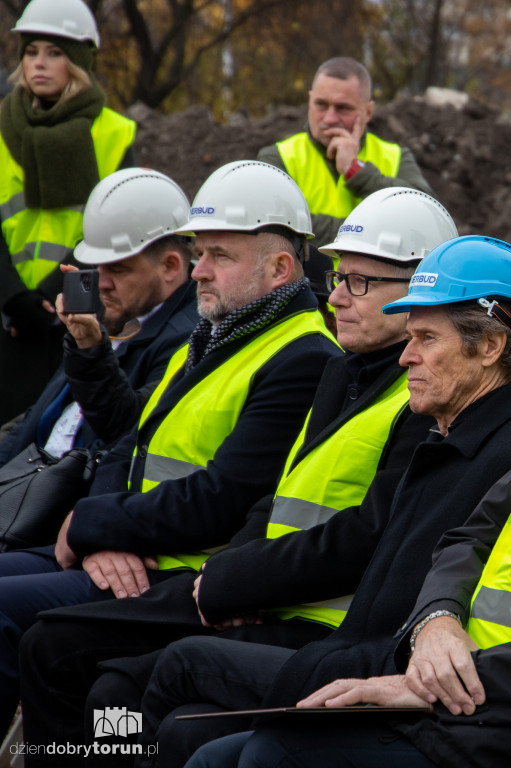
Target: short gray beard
250,292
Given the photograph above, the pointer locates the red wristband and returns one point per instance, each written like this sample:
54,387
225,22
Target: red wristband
354,168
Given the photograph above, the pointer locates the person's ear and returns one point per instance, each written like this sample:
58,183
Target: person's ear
171,263
492,346
369,110
282,268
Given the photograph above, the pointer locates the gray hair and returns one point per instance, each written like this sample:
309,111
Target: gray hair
344,67
155,250
268,243
472,323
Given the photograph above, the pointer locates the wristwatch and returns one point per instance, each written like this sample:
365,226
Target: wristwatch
354,168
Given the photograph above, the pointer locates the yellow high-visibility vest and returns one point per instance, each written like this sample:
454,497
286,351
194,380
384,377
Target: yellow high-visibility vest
39,239
490,611
334,475
190,434
306,165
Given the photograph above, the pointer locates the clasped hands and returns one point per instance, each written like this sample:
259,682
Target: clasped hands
237,621
440,669
122,572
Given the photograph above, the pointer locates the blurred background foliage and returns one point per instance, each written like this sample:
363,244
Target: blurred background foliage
254,54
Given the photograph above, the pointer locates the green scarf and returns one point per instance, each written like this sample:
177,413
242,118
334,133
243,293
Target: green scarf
53,146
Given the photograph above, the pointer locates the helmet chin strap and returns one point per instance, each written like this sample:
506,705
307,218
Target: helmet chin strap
494,309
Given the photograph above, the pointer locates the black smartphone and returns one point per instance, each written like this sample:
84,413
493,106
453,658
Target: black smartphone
81,292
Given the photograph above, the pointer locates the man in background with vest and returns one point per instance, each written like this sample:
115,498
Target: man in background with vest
359,426
216,431
336,162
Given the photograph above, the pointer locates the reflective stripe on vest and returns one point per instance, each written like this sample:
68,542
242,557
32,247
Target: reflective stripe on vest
333,476
490,612
190,434
306,165
37,239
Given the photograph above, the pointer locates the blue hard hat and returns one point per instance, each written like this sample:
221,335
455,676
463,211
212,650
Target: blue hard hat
464,268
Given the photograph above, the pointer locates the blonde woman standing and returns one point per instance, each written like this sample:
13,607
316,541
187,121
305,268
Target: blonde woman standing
57,140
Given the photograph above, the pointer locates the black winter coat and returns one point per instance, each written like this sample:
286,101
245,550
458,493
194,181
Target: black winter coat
445,480
111,387
310,565
206,508
481,740
327,560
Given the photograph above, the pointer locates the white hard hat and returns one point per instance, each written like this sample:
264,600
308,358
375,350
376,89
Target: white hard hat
246,196
63,18
396,224
126,212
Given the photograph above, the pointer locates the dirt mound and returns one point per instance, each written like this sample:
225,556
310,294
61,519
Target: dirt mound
462,146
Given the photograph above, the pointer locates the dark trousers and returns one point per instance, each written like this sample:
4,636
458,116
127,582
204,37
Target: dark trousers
302,741
59,658
208,674
30,581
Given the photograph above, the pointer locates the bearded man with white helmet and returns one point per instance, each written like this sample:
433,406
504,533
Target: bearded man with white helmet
216,430
359,426
98,394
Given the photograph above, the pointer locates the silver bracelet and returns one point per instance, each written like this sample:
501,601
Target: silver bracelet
430,617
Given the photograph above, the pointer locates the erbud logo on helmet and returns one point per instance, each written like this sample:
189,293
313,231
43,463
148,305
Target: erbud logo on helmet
250,196
350,228
394,224
202,211
128,210
467,268
424,278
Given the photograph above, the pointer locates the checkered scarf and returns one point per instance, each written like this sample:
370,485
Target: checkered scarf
240,322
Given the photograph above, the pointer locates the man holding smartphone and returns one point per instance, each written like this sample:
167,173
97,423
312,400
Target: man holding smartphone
98,393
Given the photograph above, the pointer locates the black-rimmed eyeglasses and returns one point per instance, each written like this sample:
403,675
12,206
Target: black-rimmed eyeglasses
356,284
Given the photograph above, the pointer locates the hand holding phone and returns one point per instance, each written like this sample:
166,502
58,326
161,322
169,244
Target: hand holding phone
81,292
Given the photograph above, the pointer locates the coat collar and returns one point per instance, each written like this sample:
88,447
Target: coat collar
479,420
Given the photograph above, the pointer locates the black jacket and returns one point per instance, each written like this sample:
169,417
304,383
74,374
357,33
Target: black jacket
481,740
326,560
110,386
444,481
206,508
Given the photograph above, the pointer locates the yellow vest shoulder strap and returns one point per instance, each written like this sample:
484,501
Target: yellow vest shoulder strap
490,612
325,194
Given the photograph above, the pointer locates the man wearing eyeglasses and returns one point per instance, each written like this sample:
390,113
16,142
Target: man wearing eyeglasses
359,426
